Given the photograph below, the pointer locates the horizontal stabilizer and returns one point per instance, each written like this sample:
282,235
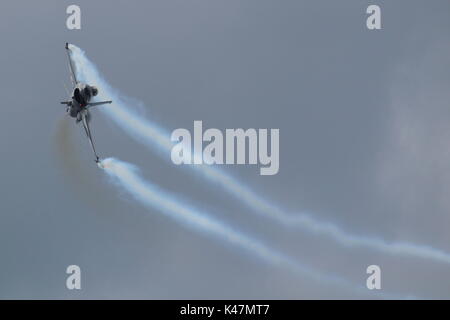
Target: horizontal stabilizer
93,104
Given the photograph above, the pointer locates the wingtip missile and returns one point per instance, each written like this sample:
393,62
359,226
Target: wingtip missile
99,163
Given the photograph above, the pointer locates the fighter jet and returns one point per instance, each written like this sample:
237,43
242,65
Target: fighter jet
79,103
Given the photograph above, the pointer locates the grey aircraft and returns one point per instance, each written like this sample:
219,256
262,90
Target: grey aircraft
80,102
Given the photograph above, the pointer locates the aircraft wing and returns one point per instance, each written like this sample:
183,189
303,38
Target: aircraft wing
88,133
73,77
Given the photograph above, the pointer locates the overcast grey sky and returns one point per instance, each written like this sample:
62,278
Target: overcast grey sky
364,144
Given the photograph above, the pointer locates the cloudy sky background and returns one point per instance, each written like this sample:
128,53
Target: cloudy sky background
364,133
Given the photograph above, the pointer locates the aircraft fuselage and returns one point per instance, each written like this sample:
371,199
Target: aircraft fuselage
81,96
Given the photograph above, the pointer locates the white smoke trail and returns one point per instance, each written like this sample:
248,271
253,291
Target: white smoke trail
127,176
144,131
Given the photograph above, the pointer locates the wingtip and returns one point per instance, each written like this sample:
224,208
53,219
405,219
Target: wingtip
100,164
67,46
